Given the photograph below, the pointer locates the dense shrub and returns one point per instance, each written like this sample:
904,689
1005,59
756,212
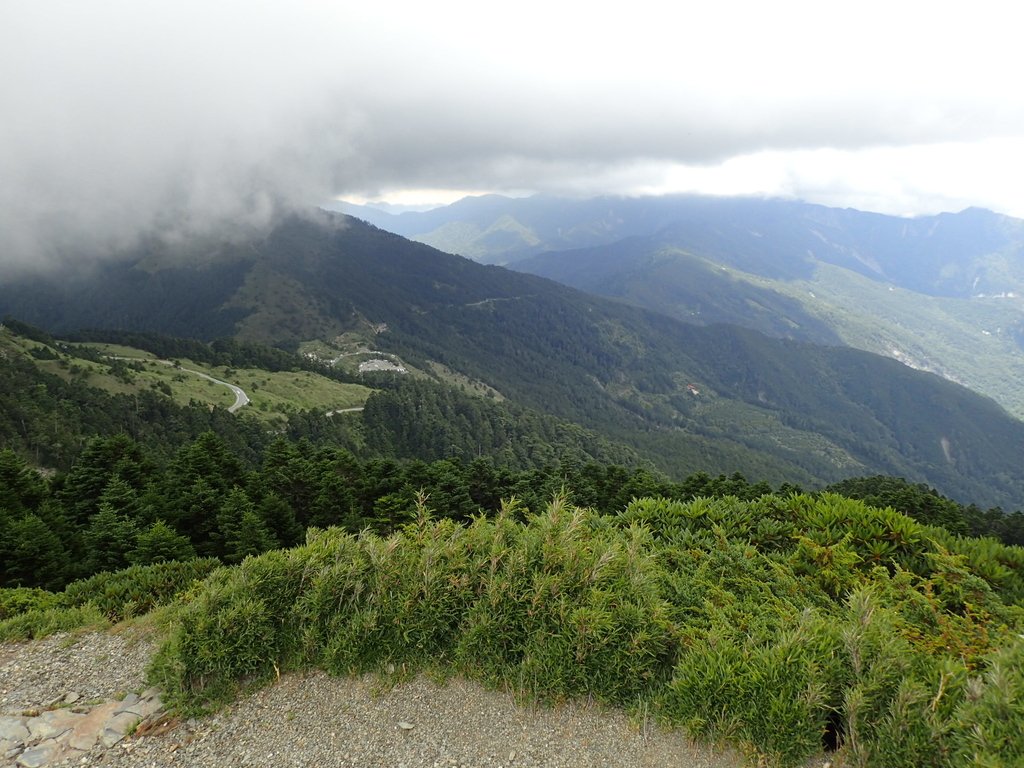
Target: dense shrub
994,710
41,622
17,600
136,590
781,625
114,596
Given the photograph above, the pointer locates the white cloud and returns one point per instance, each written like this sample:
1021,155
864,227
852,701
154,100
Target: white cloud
902,181
121,116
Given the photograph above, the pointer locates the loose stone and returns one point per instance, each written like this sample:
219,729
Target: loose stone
13,729
52,724
39,755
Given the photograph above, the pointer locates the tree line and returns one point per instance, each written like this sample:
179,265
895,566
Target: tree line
118,505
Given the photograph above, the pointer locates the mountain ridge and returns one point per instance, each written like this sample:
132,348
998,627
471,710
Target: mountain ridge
942,293
771,408
842,236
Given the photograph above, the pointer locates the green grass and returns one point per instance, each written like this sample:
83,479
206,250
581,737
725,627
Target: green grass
466,384
294,390
272,394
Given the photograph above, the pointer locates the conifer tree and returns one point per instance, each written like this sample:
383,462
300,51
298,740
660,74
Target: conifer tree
240,529
21,488
31,554
160,543
108,540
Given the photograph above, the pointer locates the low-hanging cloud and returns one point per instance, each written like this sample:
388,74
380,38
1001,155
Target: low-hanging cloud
124,118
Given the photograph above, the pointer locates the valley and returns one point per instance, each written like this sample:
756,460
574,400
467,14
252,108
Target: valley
780,409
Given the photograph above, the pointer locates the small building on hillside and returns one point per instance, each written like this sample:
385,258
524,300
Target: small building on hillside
379,364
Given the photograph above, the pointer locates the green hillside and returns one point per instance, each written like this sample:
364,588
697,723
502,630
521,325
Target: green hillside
940,293
446,531
782,410
973,341
57,396
123,370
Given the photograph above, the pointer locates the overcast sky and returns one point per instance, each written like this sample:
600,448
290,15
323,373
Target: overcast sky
121,117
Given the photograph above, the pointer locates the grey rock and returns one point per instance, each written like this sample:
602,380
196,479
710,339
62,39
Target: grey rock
110,737
127,703
10,749
13,729
52,724
146,707
72,697
115,728
122,722
82,741
39,755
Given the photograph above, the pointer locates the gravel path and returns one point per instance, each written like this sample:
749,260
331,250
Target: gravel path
317,720
96,666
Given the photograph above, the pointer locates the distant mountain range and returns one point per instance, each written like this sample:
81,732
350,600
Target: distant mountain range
716,398
941,293
975,252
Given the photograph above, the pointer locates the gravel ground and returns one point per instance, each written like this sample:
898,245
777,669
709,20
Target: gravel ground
317,720
96,666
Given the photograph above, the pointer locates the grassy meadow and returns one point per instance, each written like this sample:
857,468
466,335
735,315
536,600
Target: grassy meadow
125,370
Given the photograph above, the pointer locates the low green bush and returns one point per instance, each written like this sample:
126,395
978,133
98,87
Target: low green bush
782,625
137,590
989,718
101,599
46,621
16,600
776,696
567,607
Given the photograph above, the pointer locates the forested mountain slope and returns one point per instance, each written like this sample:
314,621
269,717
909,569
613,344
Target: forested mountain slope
940,293
686,397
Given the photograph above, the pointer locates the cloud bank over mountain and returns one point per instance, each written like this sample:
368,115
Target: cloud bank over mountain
125,118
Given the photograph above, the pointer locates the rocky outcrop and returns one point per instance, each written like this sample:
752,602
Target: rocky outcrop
71,729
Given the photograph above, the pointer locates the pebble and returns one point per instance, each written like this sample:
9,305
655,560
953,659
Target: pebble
46,719
60,735
350,722
306,719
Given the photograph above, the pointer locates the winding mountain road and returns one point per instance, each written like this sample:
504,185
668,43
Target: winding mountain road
344,410
241,399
